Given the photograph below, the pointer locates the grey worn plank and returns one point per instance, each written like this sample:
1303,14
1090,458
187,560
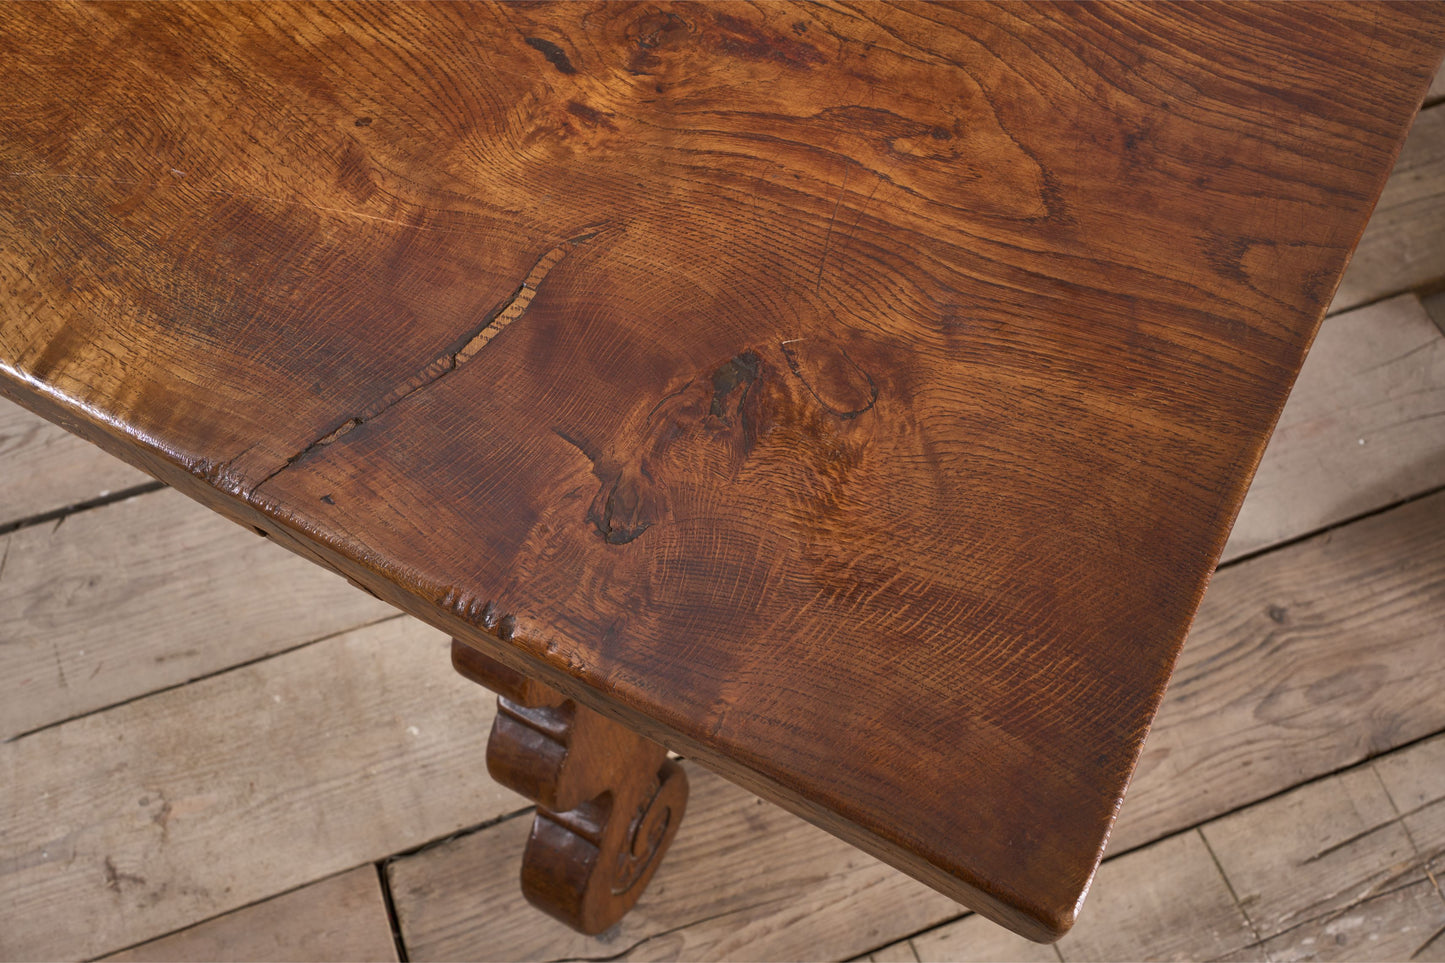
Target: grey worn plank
1364,427
110,604
1301,662
1336,840
340,918
1167,901
1415,781
901,952
1435,307
44,468
1404,924
975,938
150,816
1403,246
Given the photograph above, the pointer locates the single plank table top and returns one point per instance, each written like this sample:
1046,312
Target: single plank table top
853,397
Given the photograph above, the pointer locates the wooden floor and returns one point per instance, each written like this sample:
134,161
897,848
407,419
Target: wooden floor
214,750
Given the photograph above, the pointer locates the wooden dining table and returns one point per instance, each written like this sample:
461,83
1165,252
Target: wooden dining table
855,398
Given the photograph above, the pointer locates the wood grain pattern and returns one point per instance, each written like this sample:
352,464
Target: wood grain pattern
1257,708
974,938
609,802
1309,660
1320,872
341,918
1341,839
43,467
1364,427
1404,246
144,594
1170,897
1415,781
1360,862
771,372
193,802
1404,924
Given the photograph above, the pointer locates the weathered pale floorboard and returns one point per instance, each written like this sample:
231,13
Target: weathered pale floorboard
1301,662
1362,853
340,918
1416,784
134,822
1403,924
902,952
44,468
1167,901
106,605
1404,245
974,938
1332,870
1336,839
1364,427
737,884
1346,665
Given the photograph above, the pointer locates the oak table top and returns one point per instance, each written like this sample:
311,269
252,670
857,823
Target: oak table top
855,398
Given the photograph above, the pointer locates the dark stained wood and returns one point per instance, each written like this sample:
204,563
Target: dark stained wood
855,398
609,802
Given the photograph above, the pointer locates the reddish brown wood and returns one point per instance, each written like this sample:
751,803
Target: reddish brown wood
609,802
853,397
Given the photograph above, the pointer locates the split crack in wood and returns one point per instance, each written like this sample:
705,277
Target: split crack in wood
460,352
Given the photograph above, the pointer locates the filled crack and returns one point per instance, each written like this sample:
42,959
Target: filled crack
457,354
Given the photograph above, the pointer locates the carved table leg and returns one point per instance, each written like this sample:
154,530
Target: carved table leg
608,801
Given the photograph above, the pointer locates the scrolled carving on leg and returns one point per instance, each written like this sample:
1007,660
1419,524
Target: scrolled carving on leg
609,802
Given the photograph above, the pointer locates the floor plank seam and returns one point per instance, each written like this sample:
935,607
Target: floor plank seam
201,678
1229,885
459,834
1325,530
216,916
1322,777
58,514
1421,856
391,918
1338,912
864,954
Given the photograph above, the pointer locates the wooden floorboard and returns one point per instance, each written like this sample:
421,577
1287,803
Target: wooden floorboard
341,918
1301,661
107,605
44,467
175,808
1364,427
1326,871
1403,246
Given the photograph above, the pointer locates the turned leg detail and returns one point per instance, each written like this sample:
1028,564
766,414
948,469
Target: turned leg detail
608,801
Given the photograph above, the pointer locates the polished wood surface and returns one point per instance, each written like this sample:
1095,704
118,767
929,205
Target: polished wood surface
855,399
609,802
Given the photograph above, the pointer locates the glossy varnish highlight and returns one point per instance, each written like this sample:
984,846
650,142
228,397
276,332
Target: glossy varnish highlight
855,398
